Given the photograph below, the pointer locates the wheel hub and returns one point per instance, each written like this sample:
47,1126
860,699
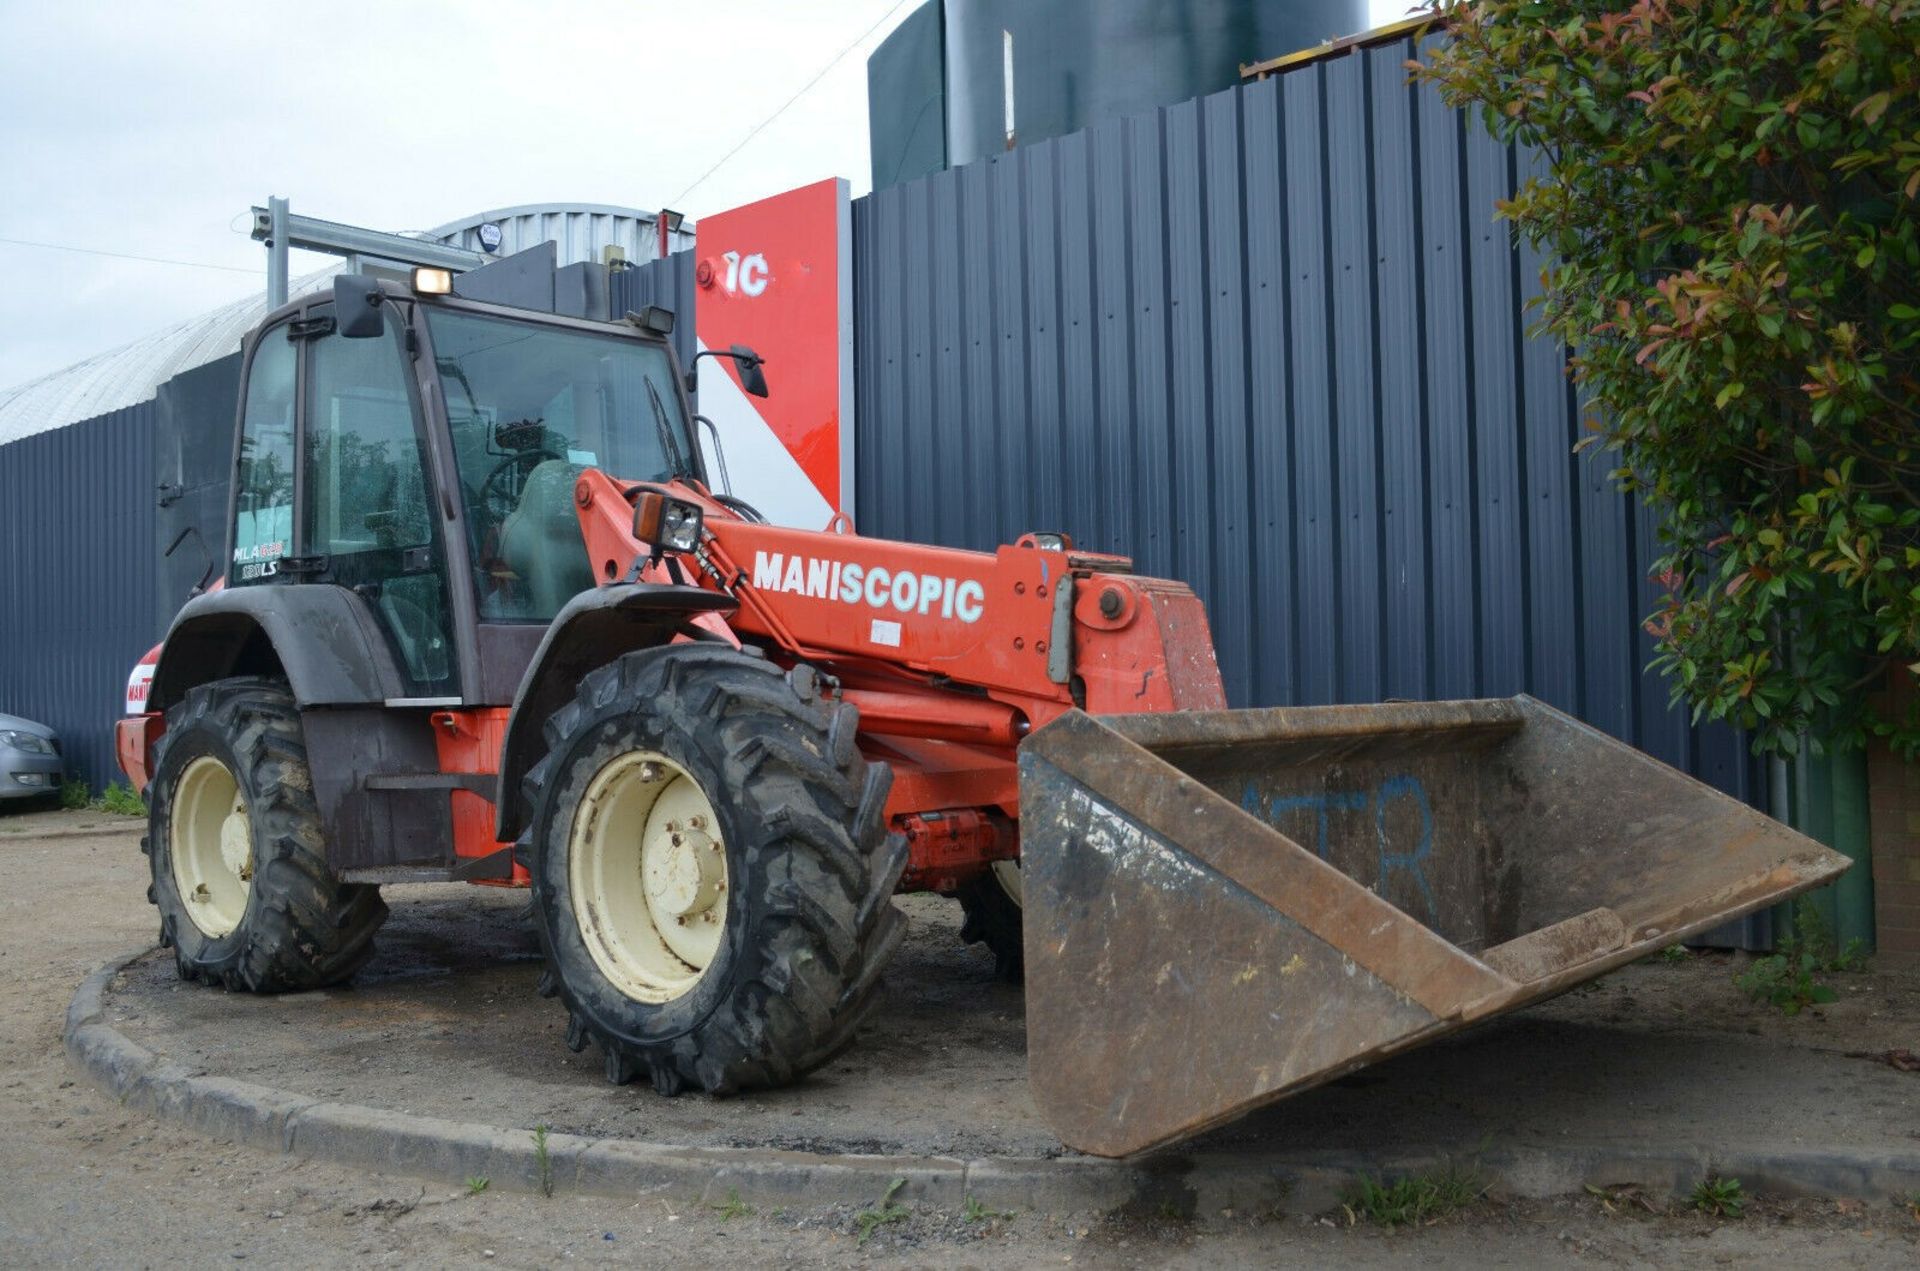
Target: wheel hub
236,842
648,875
683,869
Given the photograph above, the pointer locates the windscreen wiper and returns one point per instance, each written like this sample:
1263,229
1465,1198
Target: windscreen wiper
676,461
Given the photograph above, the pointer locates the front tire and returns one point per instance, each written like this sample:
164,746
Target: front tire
239,871
712,871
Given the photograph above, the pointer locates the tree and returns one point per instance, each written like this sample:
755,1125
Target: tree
1731,205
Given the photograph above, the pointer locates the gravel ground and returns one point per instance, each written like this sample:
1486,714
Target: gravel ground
90,1184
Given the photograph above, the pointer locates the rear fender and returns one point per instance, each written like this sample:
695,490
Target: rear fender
322,639
593,629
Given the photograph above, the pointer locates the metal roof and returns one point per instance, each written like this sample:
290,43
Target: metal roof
130,374
580,229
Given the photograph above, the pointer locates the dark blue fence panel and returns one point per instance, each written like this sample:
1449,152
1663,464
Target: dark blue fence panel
1275,343
76,599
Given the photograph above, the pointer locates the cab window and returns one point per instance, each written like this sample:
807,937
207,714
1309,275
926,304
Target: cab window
368,515
263,483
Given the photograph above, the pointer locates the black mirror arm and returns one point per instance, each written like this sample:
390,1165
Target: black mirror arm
743,357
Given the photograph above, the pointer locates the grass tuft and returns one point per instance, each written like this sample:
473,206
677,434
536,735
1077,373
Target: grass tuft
734,1208
1415,1200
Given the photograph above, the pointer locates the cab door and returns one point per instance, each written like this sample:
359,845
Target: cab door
367,512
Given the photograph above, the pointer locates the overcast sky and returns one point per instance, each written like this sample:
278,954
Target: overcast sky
150,128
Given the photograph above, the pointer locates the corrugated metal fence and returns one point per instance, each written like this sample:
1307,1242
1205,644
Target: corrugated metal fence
76,595
667,283
1271,342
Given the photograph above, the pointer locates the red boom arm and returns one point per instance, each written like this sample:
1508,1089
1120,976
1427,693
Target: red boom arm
951,656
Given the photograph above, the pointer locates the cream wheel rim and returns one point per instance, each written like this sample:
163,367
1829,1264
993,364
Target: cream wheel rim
647,871
1007,874
211,842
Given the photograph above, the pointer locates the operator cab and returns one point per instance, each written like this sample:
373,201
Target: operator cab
422,450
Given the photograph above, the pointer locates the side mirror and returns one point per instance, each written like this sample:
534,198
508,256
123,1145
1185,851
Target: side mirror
752,378
357,314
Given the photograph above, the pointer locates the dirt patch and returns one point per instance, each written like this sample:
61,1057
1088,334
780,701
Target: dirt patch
1695,994
445,1022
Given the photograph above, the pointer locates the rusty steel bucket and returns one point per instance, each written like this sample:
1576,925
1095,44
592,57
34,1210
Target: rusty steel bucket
1223,908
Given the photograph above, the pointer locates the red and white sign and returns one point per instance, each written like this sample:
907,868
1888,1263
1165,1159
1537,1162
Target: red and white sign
777,275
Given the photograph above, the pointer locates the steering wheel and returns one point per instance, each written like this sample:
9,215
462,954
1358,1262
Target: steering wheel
530,458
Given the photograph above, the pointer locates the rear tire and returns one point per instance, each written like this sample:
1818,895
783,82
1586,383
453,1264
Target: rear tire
991,905
800,888
239,868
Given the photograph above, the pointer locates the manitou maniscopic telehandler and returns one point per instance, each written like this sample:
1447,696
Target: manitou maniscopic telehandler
484,617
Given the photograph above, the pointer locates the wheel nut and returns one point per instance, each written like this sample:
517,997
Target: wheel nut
676,840
649,771
680,920
696,822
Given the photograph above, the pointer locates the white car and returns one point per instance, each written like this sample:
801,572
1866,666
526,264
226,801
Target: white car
30,764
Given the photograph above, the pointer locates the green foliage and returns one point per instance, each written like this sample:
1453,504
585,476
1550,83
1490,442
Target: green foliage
974,1211
1415,1200
542,1162
870,1220
1674,953
477,1184
733,1208
1730,197
1720,1197
1786,979
120,800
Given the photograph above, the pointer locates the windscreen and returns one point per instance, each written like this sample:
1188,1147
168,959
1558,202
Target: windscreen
529,407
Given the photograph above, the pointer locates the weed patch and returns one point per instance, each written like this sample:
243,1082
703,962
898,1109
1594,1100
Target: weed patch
1719,1197
1415,1200
734,1208
973,1211
542,1162
1787,979
870,1220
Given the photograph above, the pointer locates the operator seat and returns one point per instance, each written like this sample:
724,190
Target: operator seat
541,543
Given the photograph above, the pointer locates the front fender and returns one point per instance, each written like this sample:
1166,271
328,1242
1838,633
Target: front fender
593,629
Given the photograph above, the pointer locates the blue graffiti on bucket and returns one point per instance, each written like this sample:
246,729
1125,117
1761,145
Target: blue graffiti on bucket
1382,799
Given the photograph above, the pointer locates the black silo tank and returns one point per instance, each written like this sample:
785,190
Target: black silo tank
1074,62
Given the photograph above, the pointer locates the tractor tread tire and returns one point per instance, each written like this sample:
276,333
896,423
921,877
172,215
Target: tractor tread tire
991,918
809,854
302,928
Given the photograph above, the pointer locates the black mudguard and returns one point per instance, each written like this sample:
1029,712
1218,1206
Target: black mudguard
594,628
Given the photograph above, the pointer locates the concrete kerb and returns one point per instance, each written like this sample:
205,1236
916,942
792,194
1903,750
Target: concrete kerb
452,1151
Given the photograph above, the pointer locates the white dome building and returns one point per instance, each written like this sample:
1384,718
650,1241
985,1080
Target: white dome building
130,374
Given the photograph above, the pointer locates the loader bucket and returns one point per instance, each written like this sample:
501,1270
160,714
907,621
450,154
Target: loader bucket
1223,908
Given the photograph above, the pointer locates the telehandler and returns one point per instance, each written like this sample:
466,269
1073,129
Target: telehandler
484,617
